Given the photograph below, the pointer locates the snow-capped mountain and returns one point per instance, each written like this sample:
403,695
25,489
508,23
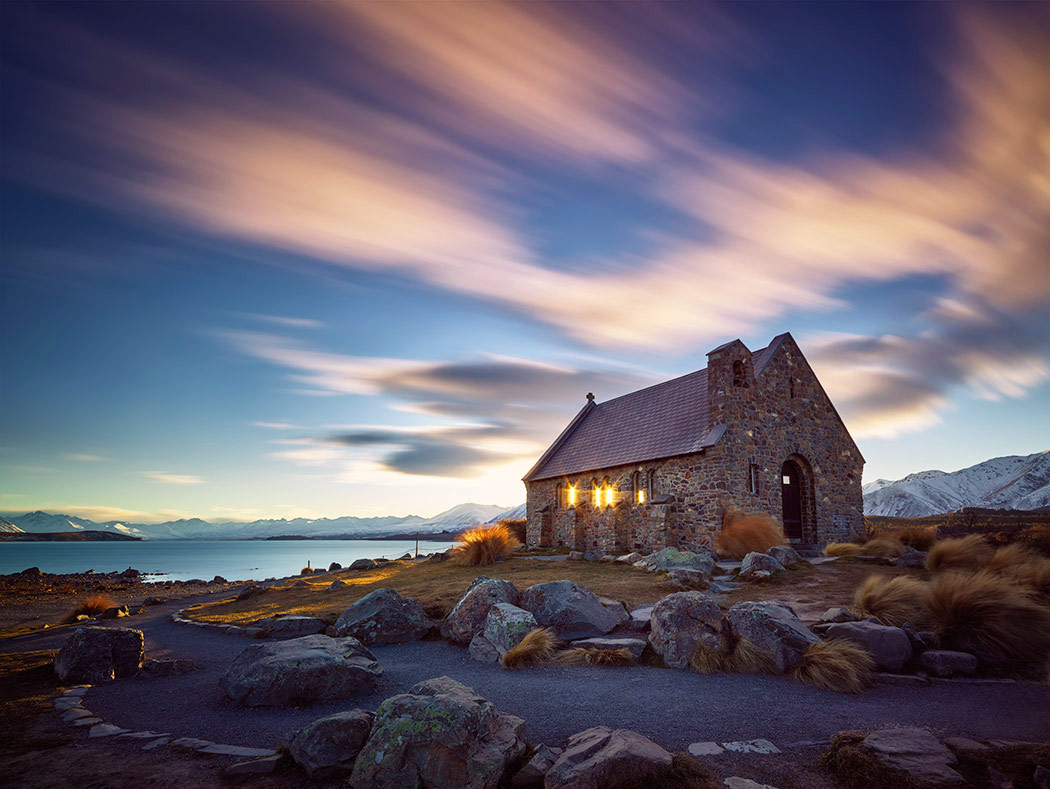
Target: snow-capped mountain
460,517
514,513
10,528
1019,482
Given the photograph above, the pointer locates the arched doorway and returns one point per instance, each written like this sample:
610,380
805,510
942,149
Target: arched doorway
793,490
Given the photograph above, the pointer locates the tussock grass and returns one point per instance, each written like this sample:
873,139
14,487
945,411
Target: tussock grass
843,549
992,612
578,656
893,601
515,526
743,657
916,537
480,545
1018,562
535,649
743,533
91,606
836,664
307,571
889,547
964,553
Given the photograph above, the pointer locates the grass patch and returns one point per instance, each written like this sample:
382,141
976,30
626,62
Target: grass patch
838,665
893,601
29,683
438,587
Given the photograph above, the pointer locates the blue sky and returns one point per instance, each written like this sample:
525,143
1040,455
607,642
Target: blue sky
269,260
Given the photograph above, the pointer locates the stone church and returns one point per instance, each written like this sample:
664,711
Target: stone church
658,467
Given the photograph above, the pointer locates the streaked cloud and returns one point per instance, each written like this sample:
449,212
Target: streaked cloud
172,479
285,321
275,425
82,458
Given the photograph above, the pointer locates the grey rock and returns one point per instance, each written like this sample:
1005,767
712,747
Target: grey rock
636,646
506,625
773,626
640,618
575,556
629,558
99,654
334,566
911,558
964,744
592,556
532,774
106,730
785,554
836,615
604,758
1041,779
682,621
301,671
249,591
468,617
87,721
915,752
945,663
690,579
675,559
441,733
764,747
616,608
142,735
235,750
736,782
758,562
329,745
482,650
705,749
190,744
156,743
66,702
337,584
384,617
254,767
889,646
363,564
294,625
570,610
997,780
167,667
76,713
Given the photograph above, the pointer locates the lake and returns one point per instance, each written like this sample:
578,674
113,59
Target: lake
181,560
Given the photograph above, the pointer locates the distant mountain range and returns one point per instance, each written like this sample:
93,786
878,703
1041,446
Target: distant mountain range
6,527
1018,482
460,517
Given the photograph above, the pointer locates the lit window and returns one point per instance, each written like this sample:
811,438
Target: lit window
608,495
597,495
572,495
641,495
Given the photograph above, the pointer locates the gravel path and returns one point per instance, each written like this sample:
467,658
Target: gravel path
674,708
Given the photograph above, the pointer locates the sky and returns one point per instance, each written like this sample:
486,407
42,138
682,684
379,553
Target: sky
308,260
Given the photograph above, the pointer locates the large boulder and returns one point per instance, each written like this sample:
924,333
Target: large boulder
98,654
784,554
441,733
675,559
682,621
301,671
604,758
570,610
468,617
384,617
758,562
945,663
329,745
506,625
531,775
773,626
293,626
616,608
916,753
889,646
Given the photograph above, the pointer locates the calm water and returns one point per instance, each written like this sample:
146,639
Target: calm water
181,560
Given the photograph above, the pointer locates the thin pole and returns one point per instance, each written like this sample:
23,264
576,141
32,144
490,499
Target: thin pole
417,544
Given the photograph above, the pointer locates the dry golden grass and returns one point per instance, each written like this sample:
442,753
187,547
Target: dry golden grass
743,533
916,537
535,649
742,657
964,553
482,545
437,587
307,571
888,547
893,601
578,656
991,611
837,664
1022,564
91,606
843,549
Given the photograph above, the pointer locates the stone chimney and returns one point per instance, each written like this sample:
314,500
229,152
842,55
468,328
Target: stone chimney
730,374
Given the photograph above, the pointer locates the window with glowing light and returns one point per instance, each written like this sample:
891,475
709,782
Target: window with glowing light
641,495
608,495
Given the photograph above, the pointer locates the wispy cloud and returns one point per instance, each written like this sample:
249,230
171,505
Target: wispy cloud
82,458
275,425
285,321
173,479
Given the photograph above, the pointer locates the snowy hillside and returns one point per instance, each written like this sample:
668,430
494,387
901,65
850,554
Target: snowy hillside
8,527
1020,482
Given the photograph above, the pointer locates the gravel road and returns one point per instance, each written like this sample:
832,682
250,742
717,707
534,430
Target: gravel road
674,708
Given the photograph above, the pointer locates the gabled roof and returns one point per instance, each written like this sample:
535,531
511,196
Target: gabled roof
662,421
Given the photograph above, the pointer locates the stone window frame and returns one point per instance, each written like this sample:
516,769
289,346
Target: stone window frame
753,473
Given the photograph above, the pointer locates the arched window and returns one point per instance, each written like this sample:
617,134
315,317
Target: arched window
596,487
738,373
650,486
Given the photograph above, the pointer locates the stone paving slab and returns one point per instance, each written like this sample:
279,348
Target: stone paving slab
237,750
751,746
87,721
106,730
706,749
156,743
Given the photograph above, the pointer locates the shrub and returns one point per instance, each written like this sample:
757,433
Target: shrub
837,664
990,612
515,526
535,649
964,553
482,545
307,571
93,605
843,549
889,547
578,656
1037,538
893,601
742,533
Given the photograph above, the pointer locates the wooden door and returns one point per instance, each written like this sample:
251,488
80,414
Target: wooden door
791,493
